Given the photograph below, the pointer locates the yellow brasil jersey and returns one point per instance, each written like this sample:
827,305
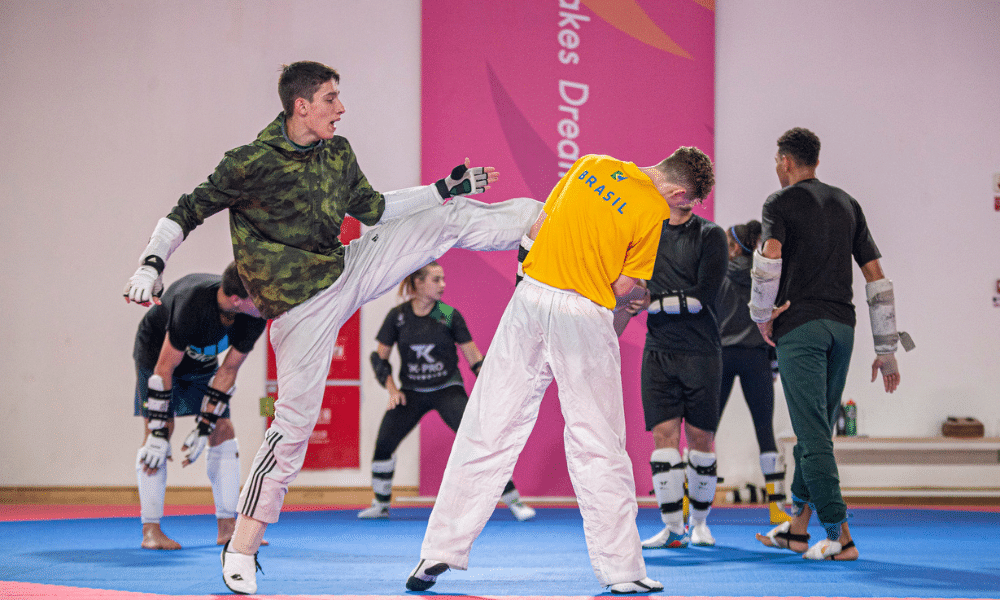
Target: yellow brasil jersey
603,219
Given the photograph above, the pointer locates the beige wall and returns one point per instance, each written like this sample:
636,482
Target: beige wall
112,110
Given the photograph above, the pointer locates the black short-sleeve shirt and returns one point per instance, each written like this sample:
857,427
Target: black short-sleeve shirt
189,310
428,359
821,228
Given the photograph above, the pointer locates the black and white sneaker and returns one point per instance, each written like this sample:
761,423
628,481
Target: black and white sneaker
643,586
378,510
239,571
424,576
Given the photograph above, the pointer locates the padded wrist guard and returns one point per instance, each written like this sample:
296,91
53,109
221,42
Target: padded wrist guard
157,405
882,311
382,368
765,277
213,405
674,303
167,236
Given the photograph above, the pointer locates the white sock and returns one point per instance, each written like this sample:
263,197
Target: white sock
247,536
668,485
701,488
511,497
152,490
223,467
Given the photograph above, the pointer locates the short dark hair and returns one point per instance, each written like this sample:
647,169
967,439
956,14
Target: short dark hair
232,284
301,80
691,169
800,144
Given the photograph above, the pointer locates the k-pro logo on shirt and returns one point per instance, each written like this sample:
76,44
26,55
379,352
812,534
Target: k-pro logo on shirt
427,367
608,195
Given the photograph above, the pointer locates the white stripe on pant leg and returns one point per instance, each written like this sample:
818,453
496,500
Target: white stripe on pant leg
498,419
264,463
303,340
587,367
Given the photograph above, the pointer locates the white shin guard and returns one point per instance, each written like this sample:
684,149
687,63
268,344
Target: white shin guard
772,465
668,486
382,473
701,480
223,467
152,490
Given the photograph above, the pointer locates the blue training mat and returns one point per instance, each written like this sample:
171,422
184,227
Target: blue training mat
921,553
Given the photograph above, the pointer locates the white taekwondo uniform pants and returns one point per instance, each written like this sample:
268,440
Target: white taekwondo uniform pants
304,337
544,333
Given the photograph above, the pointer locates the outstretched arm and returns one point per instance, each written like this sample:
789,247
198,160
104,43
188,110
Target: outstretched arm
463,180
146,285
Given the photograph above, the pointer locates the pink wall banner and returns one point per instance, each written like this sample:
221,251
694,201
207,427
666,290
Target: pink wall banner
529,87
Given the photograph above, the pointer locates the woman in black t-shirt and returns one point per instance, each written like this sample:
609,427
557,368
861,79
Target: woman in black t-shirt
747,355
425,331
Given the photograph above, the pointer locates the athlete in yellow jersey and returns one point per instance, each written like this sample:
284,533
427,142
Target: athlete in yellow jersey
597,234
604,220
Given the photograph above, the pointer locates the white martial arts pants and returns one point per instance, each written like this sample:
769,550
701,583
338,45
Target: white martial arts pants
545,333
304,337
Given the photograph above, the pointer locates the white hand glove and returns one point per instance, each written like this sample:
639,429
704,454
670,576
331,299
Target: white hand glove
154,453
144,286
465,180
195,443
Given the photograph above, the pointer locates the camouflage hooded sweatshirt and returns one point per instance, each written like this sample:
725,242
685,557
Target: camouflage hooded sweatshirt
286,205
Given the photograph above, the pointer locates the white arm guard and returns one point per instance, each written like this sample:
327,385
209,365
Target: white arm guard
155,451
765,276
400,203
882,310
167,236
146,284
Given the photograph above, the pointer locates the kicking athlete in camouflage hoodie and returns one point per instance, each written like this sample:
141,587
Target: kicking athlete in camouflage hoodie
287,193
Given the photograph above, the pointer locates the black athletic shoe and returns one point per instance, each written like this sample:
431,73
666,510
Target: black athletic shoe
424,576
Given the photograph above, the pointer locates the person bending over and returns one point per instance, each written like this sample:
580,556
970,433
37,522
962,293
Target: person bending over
177,348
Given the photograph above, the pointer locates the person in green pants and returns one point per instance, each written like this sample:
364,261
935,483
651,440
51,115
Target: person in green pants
801,301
